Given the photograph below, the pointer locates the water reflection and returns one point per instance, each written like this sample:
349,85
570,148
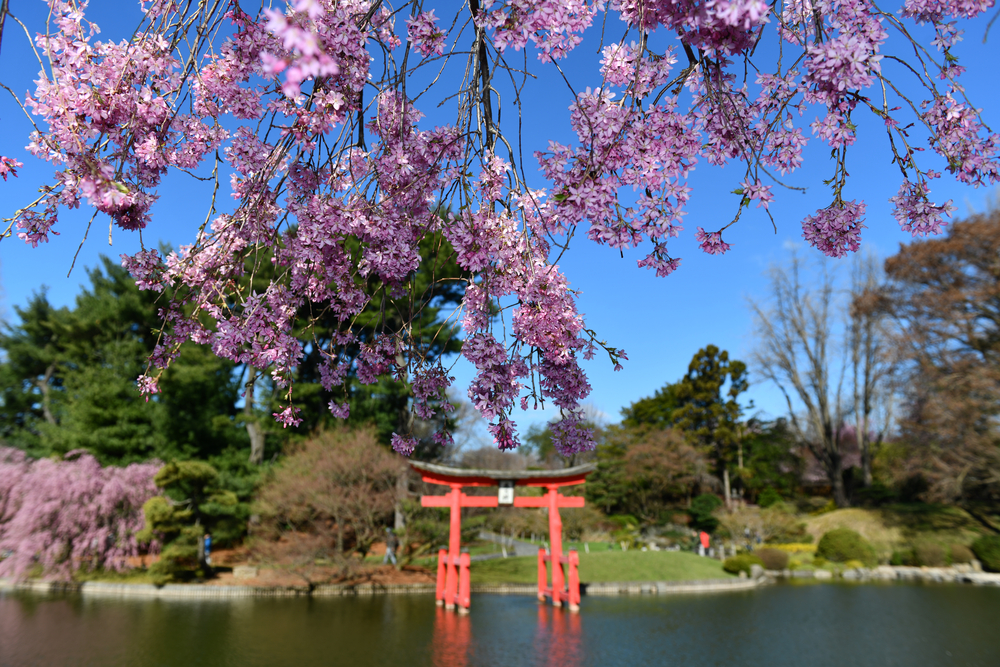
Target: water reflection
452,635
780,626
558,636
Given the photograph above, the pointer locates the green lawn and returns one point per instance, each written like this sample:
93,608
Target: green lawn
607,566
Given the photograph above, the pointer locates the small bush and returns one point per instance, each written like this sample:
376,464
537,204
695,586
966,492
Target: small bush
904,557
854,564
741,563
830,506
961,554
773,559
795,547
701,512
987,550
768,497
931,555
819,562
843,544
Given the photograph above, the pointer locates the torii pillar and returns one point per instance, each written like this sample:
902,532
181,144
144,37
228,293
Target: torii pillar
453,586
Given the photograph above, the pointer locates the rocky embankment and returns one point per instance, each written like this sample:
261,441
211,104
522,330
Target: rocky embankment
957,574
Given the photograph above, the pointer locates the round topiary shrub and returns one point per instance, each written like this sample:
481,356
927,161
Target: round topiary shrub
773,559
741,563
930,555
987,550
961,554
843,544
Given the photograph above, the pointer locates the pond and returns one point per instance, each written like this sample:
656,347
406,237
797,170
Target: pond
828,624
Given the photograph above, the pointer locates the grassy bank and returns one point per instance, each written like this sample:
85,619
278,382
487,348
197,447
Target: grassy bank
897,526
607,566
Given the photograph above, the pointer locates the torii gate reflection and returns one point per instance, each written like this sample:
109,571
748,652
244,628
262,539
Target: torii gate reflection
453,586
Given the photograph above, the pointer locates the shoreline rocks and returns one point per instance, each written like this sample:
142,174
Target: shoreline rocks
959,574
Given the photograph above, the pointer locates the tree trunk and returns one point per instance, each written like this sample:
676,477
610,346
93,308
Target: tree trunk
340,535
46,389
836,474
256,443
253,428
402,489
725,485
866,464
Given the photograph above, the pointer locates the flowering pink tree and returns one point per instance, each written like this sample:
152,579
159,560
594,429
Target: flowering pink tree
312,112
64,515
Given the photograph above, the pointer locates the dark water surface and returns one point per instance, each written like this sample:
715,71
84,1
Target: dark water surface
811,625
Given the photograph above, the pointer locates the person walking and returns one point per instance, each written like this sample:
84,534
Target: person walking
391,544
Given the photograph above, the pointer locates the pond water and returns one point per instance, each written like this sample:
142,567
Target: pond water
814,625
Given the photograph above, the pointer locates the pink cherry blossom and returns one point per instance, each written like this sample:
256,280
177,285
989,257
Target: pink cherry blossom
309,116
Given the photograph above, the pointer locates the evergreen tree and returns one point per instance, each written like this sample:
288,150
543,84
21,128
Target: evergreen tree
708,417
69,381
657,411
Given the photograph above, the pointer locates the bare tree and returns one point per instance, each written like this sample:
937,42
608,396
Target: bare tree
872,358
795,345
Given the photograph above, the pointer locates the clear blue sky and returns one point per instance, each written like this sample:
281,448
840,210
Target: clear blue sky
660,322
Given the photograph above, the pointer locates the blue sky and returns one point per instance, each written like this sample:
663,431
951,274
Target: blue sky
660,322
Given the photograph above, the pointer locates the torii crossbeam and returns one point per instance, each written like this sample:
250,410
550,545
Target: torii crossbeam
453,566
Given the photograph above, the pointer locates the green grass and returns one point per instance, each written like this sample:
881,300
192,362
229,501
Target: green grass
607,566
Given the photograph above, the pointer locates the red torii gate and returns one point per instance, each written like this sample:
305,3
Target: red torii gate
453,567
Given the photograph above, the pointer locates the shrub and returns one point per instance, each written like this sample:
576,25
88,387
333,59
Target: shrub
961,554
773,559
340,486
768,497
987,550
843,544
795,547
819,562
741,563
701,512
931,555
904,557
854,564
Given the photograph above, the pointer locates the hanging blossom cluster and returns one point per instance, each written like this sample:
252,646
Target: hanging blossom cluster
69,514
308,115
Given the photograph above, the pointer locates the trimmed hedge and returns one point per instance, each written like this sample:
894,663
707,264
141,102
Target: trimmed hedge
843,544
741,563
773,559
987,550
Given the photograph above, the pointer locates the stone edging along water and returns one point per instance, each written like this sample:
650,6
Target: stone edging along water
198,591
898,573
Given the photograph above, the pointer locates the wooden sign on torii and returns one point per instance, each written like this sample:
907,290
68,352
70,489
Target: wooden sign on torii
453,588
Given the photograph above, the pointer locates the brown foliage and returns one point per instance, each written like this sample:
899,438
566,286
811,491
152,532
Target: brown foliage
774,559
335,487
945,294
661,467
